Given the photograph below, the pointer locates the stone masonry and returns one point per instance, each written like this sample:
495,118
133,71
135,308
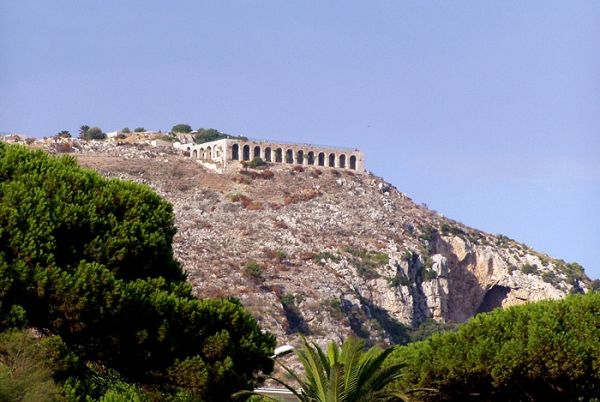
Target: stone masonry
223,154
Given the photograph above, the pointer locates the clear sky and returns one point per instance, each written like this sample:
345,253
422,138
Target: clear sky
487,111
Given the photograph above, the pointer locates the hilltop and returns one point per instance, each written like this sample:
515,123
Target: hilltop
326,252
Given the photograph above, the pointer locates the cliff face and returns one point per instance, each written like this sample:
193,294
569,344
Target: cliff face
327,253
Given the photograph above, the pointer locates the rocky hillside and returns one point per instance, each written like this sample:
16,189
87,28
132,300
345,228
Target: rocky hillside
327,253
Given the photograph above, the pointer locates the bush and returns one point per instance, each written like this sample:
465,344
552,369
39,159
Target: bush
210,134
126,130
322,257
367,261
181,128
254,270
25,374
428,274
94,133
139,130
529,269
536,352
256,162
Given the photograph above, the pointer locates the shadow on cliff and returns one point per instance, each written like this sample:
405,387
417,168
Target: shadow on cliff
397,332
466,296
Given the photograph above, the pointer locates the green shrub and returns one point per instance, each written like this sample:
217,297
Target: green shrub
428,274
319,258
367,261
254,270
181,128
537,352
256,162
550,277
210,134
94,133
452,229
529,269
25,374
400,279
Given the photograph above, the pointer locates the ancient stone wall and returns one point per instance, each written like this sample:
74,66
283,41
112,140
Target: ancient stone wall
225,153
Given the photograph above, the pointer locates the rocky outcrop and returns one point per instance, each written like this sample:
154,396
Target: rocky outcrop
328,253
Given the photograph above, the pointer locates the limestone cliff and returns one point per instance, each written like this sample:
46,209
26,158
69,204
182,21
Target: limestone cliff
328,253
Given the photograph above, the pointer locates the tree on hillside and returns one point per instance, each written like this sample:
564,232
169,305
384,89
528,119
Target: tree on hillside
126,130
139,130
210,134
181,128
94,133
83,130
537,352
90,260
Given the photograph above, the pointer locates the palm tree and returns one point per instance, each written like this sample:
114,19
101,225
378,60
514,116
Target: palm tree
346,374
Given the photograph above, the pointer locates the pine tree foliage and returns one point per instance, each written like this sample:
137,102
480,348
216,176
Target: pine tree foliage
537,352
90,260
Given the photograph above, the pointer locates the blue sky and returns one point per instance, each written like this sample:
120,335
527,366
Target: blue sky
488,112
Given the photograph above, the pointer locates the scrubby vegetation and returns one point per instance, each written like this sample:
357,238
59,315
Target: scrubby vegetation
87,276
210,134
367,261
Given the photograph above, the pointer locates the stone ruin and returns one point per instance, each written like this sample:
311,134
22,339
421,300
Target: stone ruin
225,154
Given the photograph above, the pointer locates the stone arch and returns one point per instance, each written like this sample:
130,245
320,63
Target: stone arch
310,158
208,153
321,159
300,157
342,161
235,152
268,154
289,156
246,153
256,153
353,162
279,155
194,154
331,160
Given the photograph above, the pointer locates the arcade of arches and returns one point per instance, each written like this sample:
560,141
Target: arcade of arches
288,156
227,151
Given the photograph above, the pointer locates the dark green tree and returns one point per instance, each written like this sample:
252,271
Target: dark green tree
91,260
126,130
83,130
94,133
537,352
210,134
181,128
139,130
